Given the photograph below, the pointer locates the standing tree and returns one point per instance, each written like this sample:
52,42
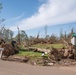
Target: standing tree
65,35
72,31
7,34
24,36
38,35
19,41
11,35
61,33
45,28
1,20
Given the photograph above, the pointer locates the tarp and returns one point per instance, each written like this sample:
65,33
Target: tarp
74,35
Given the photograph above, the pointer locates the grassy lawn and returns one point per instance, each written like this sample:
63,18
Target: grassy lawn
29,54
32,54
44,46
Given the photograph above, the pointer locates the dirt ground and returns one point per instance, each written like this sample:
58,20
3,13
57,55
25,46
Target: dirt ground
16,68
40,61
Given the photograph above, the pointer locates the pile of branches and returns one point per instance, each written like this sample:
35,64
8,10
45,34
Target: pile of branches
63,53
9,49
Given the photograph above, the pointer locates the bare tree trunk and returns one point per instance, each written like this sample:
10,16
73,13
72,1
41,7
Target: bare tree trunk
19,41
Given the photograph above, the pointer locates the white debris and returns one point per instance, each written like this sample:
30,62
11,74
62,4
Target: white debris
1,50
50,64
43,54
34,63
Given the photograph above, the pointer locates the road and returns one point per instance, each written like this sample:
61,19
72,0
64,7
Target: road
15,68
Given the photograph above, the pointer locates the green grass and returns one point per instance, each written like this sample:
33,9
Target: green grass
29,53
44,46
24,52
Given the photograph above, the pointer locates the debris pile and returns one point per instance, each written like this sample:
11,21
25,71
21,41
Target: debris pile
16,59
9,49
63,53
55,54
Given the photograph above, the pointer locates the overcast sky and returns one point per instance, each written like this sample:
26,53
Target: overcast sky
31,15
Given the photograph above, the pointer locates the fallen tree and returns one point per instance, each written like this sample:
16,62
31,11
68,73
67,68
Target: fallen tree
9,49
63,53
